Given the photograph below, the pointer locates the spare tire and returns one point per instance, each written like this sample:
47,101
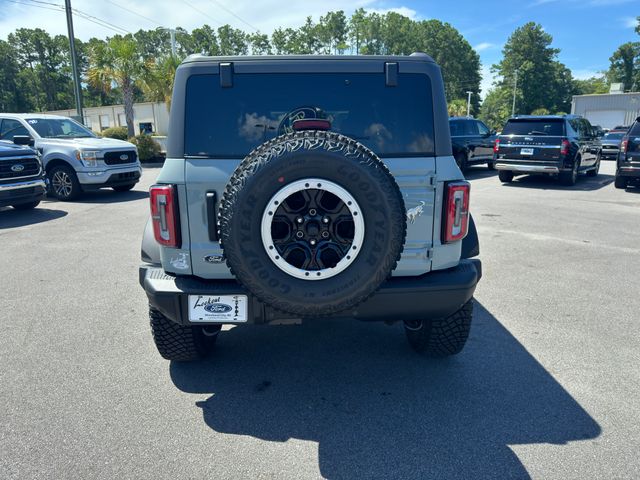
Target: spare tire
312,223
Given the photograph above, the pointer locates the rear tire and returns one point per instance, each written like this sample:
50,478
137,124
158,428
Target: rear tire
123,188
182,343
596,169
26,206
570,178
505,176
620,182
442,337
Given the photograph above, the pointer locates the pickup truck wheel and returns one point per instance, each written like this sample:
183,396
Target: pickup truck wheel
571,177
505,176
26,206
181,343
442,337
620,182
312,223
123,188
63,183
461,160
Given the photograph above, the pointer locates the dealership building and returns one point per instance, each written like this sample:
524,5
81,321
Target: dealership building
608,110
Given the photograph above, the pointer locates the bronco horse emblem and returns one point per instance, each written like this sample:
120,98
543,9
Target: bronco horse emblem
414,212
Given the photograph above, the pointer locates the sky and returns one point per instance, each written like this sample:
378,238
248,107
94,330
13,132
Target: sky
586,31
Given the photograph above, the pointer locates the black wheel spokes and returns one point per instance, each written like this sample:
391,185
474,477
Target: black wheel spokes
313,230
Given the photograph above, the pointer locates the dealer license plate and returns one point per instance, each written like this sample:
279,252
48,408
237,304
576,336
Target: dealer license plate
526,151
218,308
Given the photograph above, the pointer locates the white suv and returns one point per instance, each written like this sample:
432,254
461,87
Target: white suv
74,158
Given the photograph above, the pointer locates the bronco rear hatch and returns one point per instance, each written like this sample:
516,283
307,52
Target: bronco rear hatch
531,139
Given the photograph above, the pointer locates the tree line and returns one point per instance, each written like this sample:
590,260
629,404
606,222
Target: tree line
35,67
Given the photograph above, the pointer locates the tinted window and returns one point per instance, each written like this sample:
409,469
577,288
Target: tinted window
635,129
613,136
470,128
58,128
230,122
482,128
534,127
10,128
456,128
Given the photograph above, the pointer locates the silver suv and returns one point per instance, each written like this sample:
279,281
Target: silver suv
301,187
74,158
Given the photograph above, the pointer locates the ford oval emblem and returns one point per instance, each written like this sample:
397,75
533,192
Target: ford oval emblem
217,308
124,156
18,167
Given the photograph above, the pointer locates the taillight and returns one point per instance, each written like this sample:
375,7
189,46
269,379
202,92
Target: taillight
623,145
496,146
456,211
164,215
564,147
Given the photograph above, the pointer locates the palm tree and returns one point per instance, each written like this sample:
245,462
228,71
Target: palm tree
157,79
457,108
117,62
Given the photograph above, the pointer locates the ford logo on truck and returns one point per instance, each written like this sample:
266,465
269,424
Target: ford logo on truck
217,308
18,167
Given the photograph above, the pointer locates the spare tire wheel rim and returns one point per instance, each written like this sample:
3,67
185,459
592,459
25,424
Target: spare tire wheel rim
312,229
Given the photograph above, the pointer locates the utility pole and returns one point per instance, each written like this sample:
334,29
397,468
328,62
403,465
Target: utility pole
468,103
172,33
515,86
74,62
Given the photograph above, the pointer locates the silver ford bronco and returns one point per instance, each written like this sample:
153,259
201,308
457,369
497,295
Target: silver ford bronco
305,187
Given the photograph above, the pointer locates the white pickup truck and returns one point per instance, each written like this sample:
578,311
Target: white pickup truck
75,159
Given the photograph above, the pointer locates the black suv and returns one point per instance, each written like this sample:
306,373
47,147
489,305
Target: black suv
628,166
472,142
22,183
559,145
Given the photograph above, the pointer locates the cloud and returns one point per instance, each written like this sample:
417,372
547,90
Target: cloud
487,80
585,73
406,11
629,22
483,46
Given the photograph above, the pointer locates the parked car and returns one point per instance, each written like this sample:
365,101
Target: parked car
335,196
610,143
559,145
628,165
472,142
22,183
74,158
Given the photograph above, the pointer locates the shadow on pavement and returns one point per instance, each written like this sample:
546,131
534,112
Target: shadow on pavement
376,409
480,171
546,182
107,195
10,218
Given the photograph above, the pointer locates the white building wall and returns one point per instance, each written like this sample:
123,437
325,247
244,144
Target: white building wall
99,118
610,108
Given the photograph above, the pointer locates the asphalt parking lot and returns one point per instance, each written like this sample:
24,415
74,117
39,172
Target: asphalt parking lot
548,386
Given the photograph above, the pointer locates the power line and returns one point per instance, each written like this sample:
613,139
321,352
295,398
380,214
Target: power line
80,13
135,13
201,12
235,15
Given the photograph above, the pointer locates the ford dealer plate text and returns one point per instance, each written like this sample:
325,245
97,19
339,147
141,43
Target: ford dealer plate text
218,308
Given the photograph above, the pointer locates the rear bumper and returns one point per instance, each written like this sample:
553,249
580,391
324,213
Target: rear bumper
627,170
433,295
22,192
526,167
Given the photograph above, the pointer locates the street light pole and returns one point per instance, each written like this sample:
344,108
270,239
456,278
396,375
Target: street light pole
74,62
515,86
468,102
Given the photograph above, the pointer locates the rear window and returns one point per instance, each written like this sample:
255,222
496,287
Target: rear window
230,122
635,129
551,127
